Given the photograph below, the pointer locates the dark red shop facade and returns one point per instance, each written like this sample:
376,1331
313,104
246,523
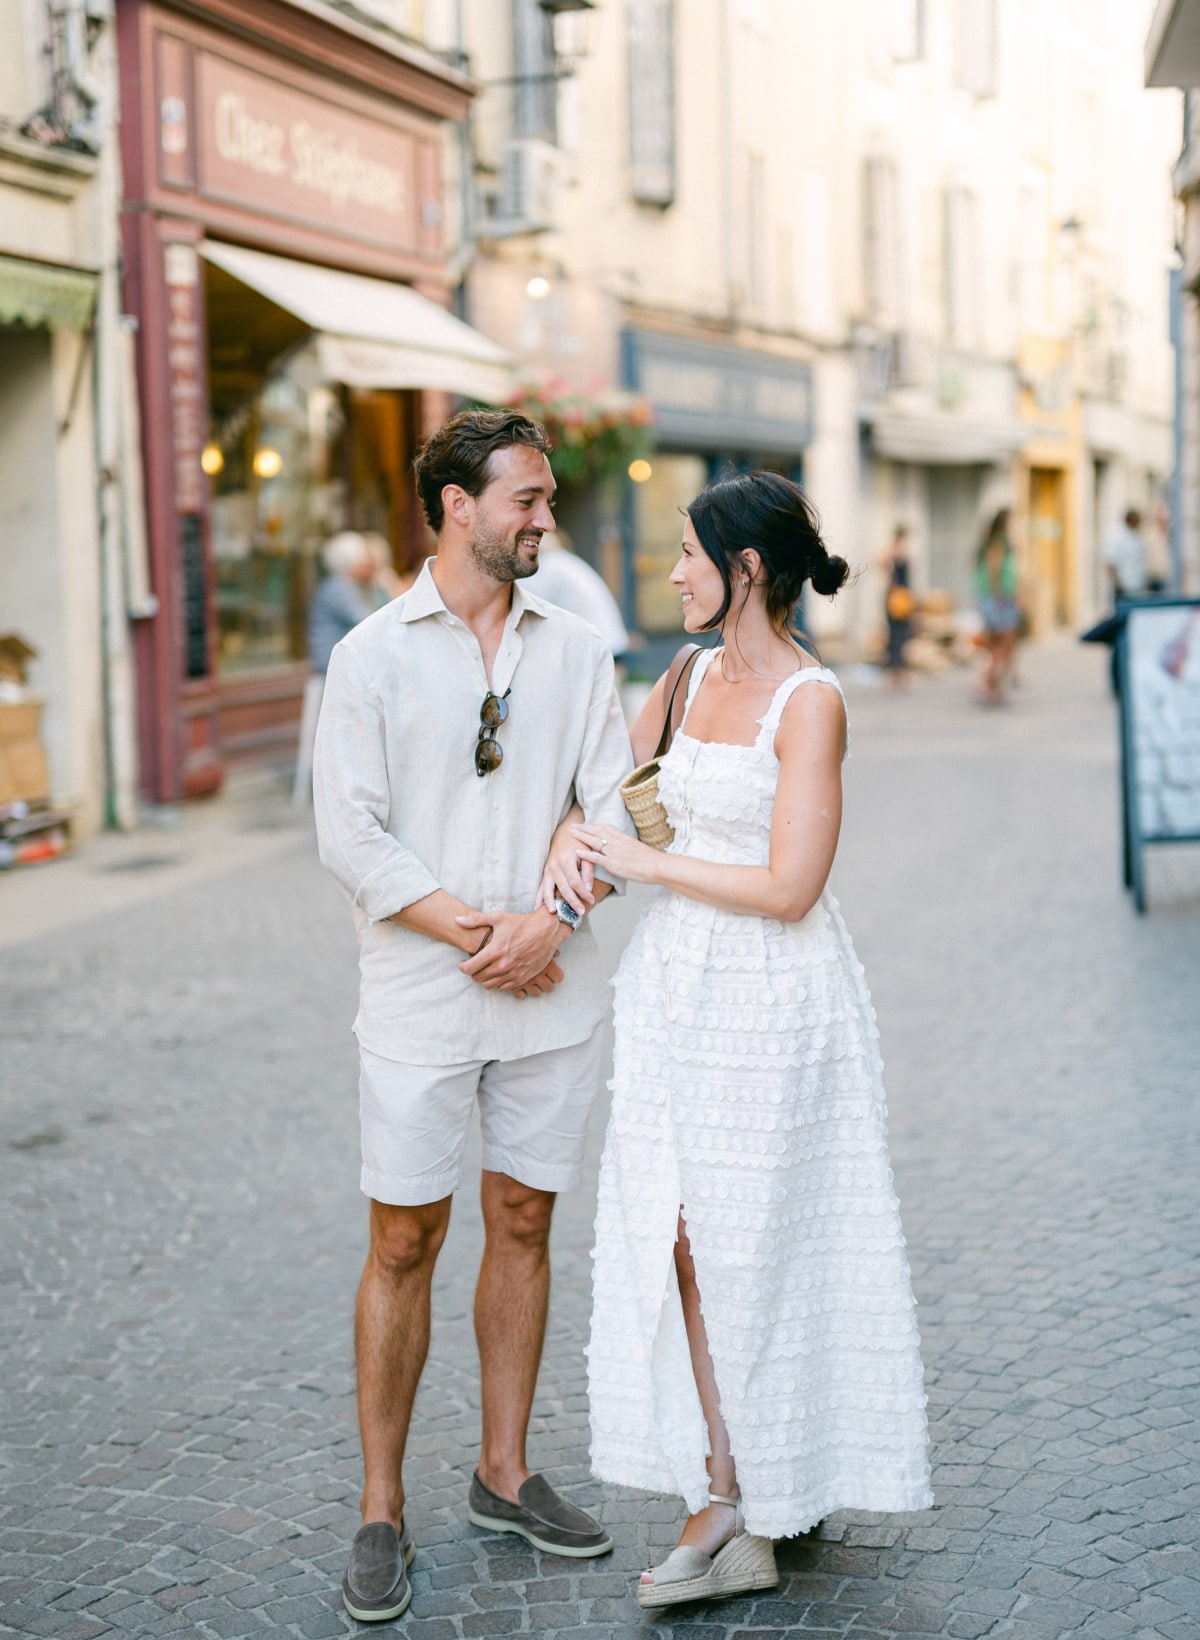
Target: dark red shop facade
284,244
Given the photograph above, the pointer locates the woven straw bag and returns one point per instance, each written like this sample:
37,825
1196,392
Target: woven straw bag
639,790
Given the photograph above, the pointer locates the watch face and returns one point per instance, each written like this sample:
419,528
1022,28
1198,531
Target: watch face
566,913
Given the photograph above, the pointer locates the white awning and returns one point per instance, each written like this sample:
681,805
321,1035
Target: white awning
1172,53
934,441
372,333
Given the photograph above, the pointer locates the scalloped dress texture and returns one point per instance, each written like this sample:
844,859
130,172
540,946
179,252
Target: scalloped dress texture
748,1089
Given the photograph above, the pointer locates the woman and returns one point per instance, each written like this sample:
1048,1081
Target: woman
996,584
753,1342
899,604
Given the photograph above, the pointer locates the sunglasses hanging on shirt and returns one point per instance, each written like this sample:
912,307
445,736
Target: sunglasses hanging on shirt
489,754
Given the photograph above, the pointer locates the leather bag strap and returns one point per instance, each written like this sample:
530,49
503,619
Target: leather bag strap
679,668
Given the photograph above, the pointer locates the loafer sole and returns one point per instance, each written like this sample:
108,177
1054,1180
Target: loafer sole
382,1614
574,1552
378,1614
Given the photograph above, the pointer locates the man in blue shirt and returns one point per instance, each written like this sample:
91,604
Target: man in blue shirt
341,600
338,605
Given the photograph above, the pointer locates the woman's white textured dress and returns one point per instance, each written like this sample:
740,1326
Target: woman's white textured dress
748,1087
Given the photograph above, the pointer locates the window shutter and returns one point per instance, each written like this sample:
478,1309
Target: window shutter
537,88
652,101
961,267
881,240
975,47
901,25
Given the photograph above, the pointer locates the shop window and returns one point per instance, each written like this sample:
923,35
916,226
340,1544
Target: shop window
658,521
291,459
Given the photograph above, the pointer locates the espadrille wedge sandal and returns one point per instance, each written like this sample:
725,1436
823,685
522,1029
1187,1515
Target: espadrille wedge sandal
744,1563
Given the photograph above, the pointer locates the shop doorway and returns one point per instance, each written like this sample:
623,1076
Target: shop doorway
1049,567
291,458
954,531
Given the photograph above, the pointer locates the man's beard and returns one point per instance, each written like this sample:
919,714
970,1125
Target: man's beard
497,555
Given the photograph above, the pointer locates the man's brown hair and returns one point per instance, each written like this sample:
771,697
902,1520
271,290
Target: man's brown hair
461,450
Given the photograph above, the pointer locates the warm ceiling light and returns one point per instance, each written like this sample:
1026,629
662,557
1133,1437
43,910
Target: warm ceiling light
640,471
211,459
268,463
538,287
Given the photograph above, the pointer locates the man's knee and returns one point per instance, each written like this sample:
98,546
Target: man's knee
516,1213
405,1239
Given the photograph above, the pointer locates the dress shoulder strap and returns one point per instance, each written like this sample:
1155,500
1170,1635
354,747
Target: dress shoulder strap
702,663
769,722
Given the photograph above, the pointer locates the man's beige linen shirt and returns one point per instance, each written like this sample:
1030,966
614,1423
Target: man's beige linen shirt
401,811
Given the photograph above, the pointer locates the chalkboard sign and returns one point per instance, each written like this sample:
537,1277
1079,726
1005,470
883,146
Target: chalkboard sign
1158,668
195,597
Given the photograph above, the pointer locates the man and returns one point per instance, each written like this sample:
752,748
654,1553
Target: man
566,580
459,724
1125,556
337,606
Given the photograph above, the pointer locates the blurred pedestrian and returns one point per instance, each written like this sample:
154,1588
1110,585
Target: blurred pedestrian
566,580
340,602
900,605
997,586
774,1376
1124,554
342,599
457,725
385,583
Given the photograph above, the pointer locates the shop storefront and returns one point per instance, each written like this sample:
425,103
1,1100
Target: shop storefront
286,265
717,409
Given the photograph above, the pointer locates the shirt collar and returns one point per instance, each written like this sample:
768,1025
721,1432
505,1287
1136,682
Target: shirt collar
423,598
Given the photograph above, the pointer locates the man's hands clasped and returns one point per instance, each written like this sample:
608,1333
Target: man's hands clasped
517,955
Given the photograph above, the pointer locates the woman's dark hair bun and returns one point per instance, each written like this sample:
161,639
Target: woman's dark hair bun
772,515
828,577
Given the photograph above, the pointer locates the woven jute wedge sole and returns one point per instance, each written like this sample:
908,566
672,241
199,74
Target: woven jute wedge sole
744,1563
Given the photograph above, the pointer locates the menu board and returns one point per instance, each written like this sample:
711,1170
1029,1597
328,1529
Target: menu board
1162,671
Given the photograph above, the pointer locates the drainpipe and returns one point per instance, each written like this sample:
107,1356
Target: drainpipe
728,160
465,254
1176,492
118,477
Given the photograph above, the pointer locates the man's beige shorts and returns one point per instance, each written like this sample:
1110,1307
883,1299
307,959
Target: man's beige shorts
533,1113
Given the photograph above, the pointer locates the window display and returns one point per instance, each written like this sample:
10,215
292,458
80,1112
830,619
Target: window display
660,499
291,460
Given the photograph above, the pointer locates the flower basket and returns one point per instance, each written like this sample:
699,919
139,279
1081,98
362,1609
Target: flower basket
595,434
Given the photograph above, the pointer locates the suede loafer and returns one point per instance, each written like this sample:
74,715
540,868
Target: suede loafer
541,1516
376,1587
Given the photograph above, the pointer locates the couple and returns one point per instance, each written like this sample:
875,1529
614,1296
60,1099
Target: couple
469,759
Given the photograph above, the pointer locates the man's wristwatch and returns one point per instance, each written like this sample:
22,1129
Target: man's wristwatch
566,912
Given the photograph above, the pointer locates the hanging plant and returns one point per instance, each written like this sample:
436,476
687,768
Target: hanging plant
595,434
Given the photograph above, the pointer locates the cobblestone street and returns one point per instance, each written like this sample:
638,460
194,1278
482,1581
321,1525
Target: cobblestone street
181,1230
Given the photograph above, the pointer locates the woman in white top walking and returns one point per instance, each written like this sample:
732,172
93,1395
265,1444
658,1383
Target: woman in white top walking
754,1344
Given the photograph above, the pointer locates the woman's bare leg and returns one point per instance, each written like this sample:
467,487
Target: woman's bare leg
989,687
712,1526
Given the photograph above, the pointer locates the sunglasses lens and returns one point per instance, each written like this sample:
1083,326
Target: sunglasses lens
493,712
488,756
